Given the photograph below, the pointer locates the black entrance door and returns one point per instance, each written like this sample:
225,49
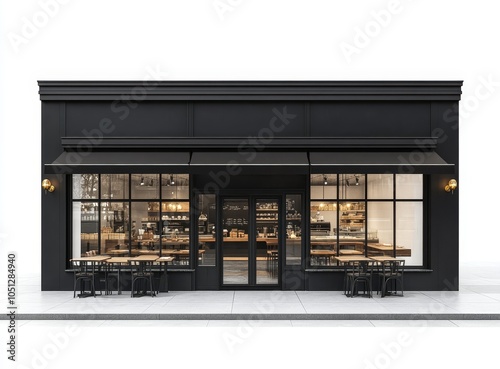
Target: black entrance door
250,247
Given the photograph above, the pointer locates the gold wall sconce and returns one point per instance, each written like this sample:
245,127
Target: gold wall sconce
451,186
48,186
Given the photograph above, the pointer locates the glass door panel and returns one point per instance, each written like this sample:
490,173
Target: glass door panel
235,242
293,237
267,241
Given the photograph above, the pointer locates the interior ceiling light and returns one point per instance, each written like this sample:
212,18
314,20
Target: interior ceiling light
325,180
172,179
357,181
142,181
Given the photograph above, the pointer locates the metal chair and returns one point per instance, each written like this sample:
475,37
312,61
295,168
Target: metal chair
359,272
392,270
84,271
158,273
271,252
142,271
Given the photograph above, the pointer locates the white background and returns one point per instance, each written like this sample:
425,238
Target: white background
258,39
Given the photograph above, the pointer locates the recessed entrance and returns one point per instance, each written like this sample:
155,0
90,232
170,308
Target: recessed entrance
250,246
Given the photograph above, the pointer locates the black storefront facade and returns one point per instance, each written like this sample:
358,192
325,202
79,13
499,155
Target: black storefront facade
252,185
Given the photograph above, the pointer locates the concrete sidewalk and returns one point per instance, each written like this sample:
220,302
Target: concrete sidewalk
478,299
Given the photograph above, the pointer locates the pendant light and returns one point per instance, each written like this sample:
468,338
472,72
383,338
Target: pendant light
203,217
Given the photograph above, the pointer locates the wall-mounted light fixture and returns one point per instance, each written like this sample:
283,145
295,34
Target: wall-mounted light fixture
451,186
48,186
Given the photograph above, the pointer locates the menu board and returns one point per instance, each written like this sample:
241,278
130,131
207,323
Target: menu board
236,216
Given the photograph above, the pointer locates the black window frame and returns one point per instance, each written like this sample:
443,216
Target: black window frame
99,200
366,200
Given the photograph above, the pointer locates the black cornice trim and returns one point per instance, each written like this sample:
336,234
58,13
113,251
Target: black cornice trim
218,143
249,90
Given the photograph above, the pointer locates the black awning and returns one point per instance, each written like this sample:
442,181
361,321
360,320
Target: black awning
250,162
418,162
119,162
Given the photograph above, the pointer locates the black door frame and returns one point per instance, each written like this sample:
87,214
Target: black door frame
252,263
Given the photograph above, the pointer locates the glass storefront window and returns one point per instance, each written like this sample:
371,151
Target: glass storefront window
323,186
128,227
85,228
409,232
352,224
175,230
367,218
352,186
145,228
85,186
380,228
145,186
175,186
409,186
207,234
323,231
380,186
114,186
114,227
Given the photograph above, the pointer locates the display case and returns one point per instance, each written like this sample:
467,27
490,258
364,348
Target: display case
175,220
320,229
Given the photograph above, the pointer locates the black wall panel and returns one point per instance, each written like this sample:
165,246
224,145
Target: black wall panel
370,119
444,206
129,119
242,119
54,217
